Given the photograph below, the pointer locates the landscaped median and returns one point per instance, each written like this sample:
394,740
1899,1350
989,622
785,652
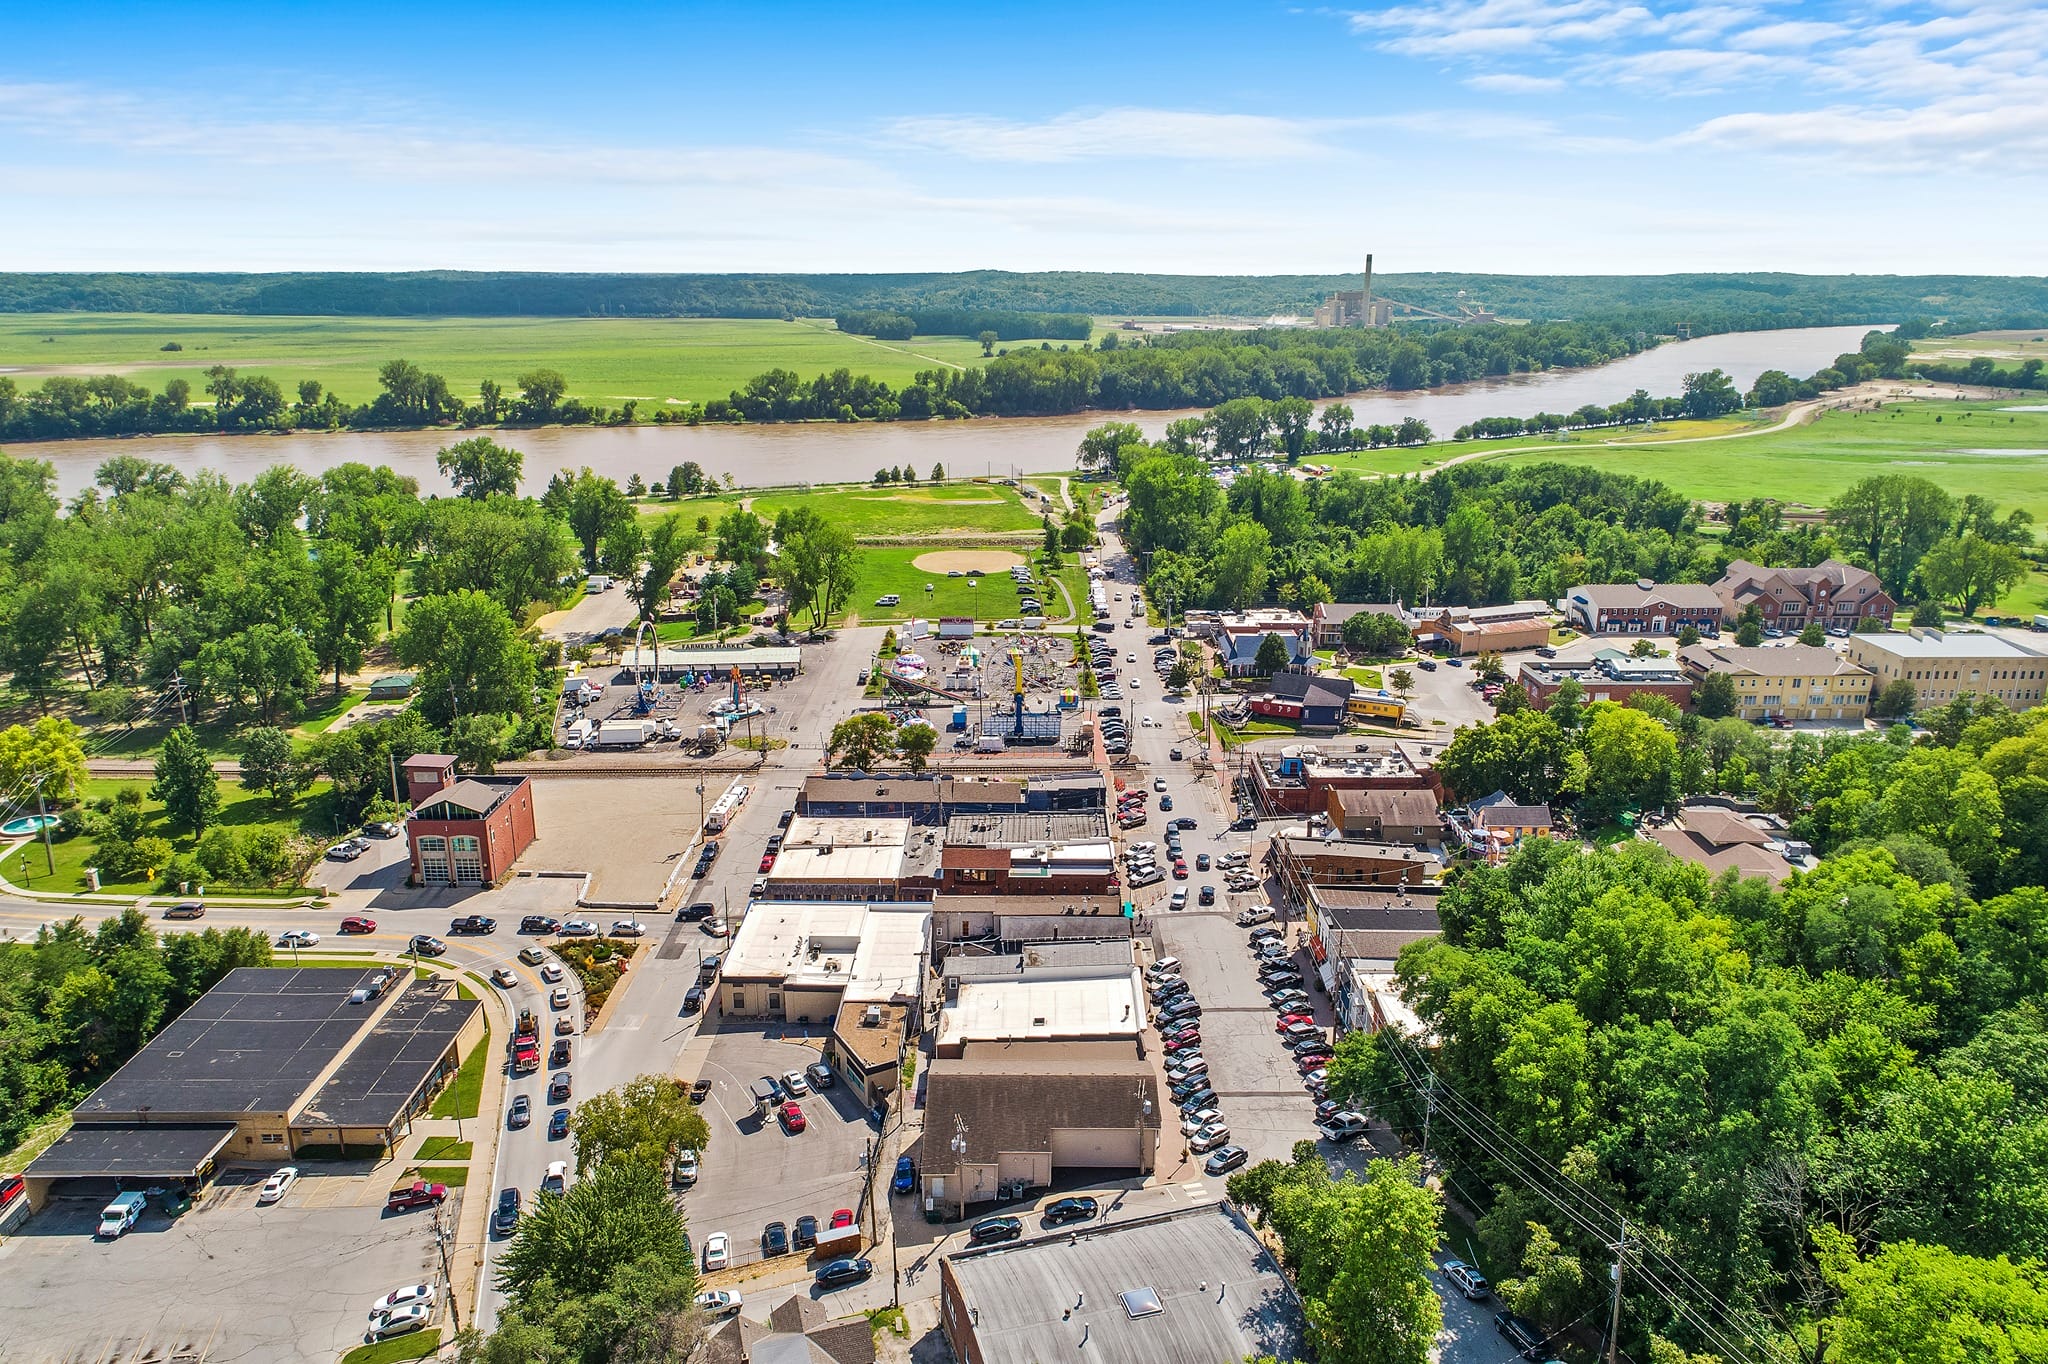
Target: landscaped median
598,963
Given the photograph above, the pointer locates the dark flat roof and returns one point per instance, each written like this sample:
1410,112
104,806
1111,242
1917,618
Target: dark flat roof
251,1044
382,1073
125,1151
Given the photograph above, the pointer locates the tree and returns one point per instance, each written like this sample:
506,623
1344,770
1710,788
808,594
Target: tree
265,666
573,1242
50,752
1402,683
1688,635
1773,388
480,468
1714,697
1521,753
743,539
1239,564
1890,521
1711,394
1749,630
469,657
1896,701
592,505
185,783
988,343
1376,634
540,395
916,743
859,739
644,1122
1180,676
477,741
353,597
1567,704
1630,756
1971,570
1273,656
1334,426
1920,1304
669,546
1489,666
1814,634
270,762
938,473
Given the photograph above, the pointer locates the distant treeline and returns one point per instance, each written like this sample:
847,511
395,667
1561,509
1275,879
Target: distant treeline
999,326
1656,303
1184,369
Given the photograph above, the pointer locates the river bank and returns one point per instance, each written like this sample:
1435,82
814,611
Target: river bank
759,455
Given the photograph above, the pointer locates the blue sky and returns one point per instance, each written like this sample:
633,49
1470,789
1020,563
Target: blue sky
1586,136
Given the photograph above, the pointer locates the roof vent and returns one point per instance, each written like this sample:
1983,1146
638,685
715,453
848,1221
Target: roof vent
1038,1022
1140,1303
871,1017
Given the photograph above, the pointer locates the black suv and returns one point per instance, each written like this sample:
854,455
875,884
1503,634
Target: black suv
690,914
775,1239
540,923
1069,1210
1521,1332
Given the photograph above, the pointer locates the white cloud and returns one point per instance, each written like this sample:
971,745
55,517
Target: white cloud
1974,132
1120,133
1514,83
1790,33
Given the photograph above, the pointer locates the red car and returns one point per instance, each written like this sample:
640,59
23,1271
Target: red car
842,1218
1289,1020
767,862
355,923
793,1117
1183,1037
418,1194
1180,871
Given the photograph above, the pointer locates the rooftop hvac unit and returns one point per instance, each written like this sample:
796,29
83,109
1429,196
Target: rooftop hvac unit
831,963
871,1017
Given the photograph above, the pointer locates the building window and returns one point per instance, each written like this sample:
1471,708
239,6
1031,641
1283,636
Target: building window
273,1138
774,1001
739,1000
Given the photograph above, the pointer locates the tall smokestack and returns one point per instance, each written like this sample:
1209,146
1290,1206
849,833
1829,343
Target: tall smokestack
1368,289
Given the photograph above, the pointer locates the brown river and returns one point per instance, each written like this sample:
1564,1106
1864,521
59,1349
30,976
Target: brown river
771,455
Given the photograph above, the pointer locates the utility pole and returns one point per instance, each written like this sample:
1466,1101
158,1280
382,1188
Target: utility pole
1614,1310
43,821
447,1273
1428,1112
393,755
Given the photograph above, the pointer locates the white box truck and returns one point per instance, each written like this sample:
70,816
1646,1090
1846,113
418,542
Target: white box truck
120,1215
624,734
988,743
576,733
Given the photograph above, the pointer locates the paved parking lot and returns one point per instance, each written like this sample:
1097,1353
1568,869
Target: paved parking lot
755,1172
227,1280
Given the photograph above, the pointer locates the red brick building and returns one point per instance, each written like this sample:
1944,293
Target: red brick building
1832,594
464,831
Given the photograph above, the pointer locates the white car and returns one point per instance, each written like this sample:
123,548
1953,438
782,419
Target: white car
559,999
1209,1138
719,1302
579,928
550,972
628,928
399,1297
1159,783
794,1083
278,1185
1257,914
717,1251
1141,848
298,937
1198,1120
1146,722
400,1321
504,978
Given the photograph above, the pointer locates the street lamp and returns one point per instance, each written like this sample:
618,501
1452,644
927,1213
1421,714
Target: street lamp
975,583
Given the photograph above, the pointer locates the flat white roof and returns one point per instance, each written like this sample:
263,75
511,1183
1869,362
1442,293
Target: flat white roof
811,831
877,863
870,949
1108,1004
1946,644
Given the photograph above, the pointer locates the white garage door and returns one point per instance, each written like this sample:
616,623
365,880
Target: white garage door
468,857
434,860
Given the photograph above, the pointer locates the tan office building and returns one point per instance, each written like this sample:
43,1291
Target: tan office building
1945,664
1796,681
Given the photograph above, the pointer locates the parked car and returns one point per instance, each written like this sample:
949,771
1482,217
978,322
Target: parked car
417,1194
628,928
1209,1138
906,1176
775,1239
1066,1210
990,1230
805,1234
842,1272
1224,1160
278,1185
717,1250
399,1321
1522,1334
1257,914
794,1084
821,1076
719,1302
1467,1280
693,999
793,1117
399,1297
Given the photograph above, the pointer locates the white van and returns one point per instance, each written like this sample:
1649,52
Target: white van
889,599
596,583
120,1215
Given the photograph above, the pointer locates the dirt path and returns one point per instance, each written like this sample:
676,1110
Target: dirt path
899,350
1065,501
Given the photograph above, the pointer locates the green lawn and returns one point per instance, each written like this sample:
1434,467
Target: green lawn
418,1345
328,707
605,360
454,1176
466,1091
1963,447
709,508
900,509
889,568
445,1148
240,810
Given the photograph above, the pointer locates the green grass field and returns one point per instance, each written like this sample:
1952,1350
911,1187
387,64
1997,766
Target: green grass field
605,360
889,568
466,1091
1963,447
909,509
240,810
418,1345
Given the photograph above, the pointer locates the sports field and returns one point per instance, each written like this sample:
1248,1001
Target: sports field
605,360
1985,448
874,513
891,568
